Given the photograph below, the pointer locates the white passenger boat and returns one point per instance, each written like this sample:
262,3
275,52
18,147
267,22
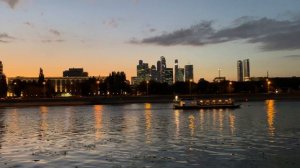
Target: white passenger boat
204,103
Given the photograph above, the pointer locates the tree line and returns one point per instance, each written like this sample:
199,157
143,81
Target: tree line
117,84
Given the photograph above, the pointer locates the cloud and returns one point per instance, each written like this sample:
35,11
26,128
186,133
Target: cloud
3,41
29,24
112,23
5,38
11,3
272,34
151,30
55,32
53,41
292,56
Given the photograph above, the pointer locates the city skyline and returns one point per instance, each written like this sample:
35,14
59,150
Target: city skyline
105,36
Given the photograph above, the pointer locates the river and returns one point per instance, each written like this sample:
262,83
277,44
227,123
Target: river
259,134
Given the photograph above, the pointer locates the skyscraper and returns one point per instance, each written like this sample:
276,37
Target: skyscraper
169,76
246,66
158,71
163,67
142,72
153,73
179,72
180,75
176,70
240,76
189,74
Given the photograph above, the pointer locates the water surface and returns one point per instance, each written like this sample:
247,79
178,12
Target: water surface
259,134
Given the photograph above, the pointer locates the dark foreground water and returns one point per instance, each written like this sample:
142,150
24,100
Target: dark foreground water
259,134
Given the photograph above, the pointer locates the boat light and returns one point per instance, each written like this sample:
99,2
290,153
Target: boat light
176,98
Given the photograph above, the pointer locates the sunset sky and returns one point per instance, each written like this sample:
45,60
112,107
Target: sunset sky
112,35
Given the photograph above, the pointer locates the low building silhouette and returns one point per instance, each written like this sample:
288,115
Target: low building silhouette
75,72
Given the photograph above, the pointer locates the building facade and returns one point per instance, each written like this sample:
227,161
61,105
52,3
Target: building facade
61,85
189,73
169,76
240,76
176,69
153,73
143,72
246,67
180,76
163,66
75,72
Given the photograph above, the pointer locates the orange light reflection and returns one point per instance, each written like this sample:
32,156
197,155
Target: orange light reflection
44,121
177,122
148,118
270,104
98,121
201,119
192,124
232,123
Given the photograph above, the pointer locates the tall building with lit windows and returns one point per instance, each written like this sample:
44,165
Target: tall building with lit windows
163,67
153,73
143,71
189,74
246,67
240,76
243,70
179,72
180,77
169,76
158,71
176,70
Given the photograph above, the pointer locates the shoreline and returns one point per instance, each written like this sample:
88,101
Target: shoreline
115,100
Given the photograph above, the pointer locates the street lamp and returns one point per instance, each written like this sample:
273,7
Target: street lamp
147,82
15,93
230,84
190,86
44,88
269,83
98,82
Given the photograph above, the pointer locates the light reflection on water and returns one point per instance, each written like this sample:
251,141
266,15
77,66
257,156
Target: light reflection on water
260,134
148,122
270,104
98,121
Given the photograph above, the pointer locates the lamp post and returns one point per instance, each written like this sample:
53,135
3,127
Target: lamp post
230,86
44,88
269,83
147,82
15,88
190,87
71,88
98,82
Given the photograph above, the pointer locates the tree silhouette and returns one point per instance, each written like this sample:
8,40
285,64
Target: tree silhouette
3,86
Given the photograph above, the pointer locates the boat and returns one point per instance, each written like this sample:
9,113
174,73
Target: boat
204,103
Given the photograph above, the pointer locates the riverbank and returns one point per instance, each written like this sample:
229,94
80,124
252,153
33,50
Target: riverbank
75,101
